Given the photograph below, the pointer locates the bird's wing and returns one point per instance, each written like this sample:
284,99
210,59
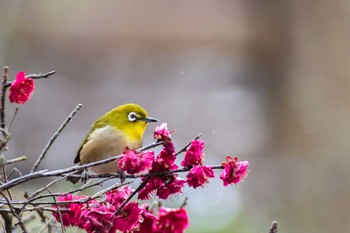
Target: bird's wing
98,124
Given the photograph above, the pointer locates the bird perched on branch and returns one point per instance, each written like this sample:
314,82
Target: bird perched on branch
120,128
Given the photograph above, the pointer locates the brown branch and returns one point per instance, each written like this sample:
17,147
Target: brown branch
3,93
53,138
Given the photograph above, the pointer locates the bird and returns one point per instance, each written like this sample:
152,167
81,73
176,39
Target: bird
120,129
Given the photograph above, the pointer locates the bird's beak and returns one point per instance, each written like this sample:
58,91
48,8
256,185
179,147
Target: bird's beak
149,119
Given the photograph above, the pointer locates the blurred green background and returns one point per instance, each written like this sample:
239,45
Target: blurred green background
267,81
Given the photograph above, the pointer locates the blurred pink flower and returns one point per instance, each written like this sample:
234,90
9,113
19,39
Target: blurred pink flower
21,89
173,185
234,171
97,218
194,154
133,163
172,220
161,133
117,196
147,223
130,215
72,216
199,175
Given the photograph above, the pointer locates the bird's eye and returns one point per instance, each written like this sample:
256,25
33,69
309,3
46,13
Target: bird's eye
132,116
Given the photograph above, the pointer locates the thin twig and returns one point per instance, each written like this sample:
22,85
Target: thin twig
273,228
52,139
46,224
58,210
21,224
3,93
13,118
188,144
15,160
141,186
41,75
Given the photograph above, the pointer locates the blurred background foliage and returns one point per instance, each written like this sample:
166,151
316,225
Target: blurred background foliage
267,81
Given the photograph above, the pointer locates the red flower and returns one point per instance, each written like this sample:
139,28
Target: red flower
21,89
161,133
72,216
147,223
130,215
194,154
166,158
150,188
117,196
134,163
199,175
172,186
172,220
234,171
97,218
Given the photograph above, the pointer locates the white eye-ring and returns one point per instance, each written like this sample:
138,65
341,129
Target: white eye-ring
132,116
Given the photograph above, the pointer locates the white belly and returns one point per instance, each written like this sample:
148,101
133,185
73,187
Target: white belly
104,143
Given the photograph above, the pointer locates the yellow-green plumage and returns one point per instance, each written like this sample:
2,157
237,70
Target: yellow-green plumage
122,127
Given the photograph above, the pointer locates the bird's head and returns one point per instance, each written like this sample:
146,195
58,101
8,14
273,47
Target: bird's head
131,119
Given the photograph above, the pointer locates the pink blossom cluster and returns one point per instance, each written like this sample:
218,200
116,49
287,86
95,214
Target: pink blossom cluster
163,181
94,216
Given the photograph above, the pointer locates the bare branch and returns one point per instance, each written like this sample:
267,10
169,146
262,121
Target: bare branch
41,75
15,160
273,228
53,138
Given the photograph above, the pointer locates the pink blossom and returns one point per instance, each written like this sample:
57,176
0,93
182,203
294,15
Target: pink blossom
166,158
161,133
234,171
194,154
150,188
199,175
173,185
130,215
147,223
172,220
97,218
72,216
117,196
21,89
134,163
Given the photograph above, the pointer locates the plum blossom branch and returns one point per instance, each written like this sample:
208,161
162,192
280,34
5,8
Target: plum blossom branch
53,138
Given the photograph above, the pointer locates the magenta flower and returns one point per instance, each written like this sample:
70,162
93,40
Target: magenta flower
194,154
72,216
150,188
172,220
147,223
133,163
97,218
117,196
199,175
129,217
234,171
172,186
166,159
161,133
21,89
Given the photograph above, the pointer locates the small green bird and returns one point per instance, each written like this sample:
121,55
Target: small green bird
122,127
